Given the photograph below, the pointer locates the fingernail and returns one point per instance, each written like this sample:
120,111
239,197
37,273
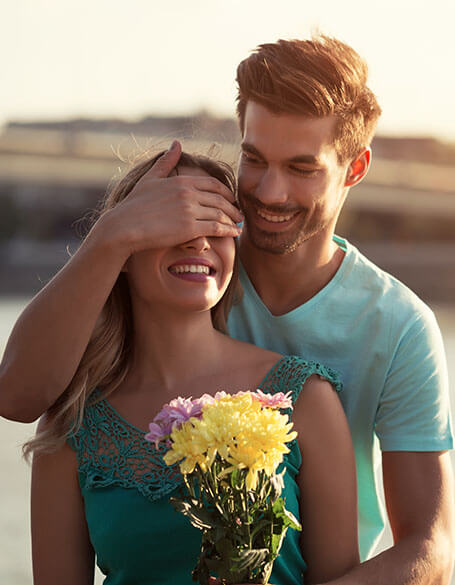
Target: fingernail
173,145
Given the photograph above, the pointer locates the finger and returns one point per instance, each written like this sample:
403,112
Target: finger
212,185
219,203
216,229
208,212
167,162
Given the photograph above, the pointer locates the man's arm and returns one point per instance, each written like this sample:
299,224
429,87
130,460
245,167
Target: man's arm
50,337
419,494
413,428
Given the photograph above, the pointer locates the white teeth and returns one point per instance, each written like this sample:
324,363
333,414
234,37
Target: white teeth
199,268
274,218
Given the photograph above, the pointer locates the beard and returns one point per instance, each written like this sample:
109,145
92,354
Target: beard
303,227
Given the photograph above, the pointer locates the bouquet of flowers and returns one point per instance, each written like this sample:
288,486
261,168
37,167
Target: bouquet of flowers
229,448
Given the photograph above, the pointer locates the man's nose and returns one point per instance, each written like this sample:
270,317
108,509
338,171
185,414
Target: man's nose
199,244
272,188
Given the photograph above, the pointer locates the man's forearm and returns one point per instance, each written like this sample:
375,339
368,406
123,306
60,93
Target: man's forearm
51,335
413,561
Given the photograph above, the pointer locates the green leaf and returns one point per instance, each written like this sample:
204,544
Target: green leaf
201,573
249,560
224,548
220,563
277,483
278,507
291,521
236,478
287,518
193,510
265,572
277,541
219,533
263,524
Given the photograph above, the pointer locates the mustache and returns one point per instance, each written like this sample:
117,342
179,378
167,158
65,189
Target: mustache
251,200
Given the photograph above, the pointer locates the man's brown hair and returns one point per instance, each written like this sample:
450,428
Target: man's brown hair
316,78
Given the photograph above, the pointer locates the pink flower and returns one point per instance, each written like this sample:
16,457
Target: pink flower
278,400
206,399
222,394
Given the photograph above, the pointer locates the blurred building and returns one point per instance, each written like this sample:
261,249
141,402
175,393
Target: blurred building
53,173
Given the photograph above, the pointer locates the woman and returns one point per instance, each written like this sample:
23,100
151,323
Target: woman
98,488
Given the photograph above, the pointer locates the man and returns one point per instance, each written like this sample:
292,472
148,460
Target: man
307,119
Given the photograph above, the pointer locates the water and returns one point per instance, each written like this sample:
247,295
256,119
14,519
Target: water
15,555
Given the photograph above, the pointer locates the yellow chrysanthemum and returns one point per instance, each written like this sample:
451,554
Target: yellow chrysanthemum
185,447
244,434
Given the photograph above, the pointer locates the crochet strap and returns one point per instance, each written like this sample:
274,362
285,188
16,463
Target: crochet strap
291,373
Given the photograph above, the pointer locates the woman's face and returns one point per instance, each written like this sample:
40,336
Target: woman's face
192,276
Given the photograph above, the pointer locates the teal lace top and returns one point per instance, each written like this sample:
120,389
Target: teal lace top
138,537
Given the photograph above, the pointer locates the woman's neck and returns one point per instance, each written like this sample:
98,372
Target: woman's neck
173,346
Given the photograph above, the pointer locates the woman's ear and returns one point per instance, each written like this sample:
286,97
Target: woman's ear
358,168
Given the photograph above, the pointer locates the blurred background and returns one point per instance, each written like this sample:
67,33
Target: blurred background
86,86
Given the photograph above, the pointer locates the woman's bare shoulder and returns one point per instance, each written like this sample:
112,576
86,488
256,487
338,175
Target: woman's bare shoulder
318,411
318,389
248,352
61,458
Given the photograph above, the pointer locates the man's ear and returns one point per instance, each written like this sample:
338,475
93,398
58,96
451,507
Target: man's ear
358,168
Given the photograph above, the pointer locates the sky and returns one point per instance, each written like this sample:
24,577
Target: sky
103,58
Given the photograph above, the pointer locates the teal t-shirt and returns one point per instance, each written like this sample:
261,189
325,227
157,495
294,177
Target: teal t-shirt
138,537
387,347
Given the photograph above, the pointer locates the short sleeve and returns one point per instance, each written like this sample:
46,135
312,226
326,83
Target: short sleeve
414,409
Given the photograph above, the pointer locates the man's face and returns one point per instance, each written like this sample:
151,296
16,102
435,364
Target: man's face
291,185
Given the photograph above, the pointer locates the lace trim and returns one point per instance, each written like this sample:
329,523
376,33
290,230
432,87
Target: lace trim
112,452
291,372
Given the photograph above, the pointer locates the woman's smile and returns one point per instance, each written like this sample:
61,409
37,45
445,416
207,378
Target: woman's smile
193,269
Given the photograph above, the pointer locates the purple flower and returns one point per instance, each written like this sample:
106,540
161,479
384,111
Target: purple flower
178,411
155,434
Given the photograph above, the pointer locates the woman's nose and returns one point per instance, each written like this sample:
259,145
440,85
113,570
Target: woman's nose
199,244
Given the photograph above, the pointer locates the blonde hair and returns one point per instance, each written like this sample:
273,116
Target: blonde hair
107,358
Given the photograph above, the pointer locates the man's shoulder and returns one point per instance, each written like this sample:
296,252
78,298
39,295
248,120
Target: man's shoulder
376,285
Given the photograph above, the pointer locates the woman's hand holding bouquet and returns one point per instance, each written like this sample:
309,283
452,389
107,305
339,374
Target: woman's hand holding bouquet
229,448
